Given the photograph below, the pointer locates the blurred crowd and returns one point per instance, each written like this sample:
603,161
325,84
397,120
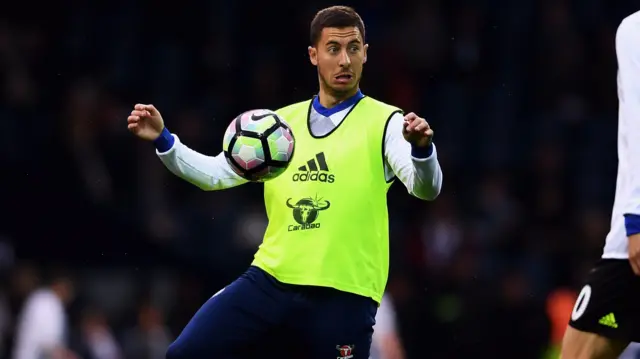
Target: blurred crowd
521,95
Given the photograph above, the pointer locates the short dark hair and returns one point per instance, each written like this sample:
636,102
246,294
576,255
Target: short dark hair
334,16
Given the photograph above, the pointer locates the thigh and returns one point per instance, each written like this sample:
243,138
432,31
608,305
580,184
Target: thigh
609,302
233,321
338,325
577,344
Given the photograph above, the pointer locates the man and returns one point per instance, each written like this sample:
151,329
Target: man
42,324
313,292
606,316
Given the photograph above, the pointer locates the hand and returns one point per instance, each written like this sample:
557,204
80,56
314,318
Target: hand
416,130
145,122
634,253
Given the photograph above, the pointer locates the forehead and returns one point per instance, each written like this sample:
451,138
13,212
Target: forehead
340,34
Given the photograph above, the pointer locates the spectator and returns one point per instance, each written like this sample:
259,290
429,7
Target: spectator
42,324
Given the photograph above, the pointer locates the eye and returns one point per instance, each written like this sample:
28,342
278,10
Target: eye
333,49
354,48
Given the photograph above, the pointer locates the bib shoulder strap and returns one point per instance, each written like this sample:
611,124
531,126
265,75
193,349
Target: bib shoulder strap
380,106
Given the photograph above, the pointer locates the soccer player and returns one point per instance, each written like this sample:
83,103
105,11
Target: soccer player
606,315
319,275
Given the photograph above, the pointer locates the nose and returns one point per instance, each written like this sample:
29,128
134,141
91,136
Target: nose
345,60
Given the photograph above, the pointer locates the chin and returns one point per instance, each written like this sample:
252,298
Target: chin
345,89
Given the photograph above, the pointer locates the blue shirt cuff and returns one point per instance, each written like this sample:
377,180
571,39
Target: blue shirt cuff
165,141
422,152
632,224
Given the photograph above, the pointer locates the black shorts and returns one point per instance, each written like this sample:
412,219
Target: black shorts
609,302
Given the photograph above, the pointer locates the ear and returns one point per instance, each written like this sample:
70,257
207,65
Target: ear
365,48
313,55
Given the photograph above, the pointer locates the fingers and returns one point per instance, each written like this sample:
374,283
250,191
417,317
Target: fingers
133,121
410,117
149,108
421,126
416,125
137,115
416,129
133,127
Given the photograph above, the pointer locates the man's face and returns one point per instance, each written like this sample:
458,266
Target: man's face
339,56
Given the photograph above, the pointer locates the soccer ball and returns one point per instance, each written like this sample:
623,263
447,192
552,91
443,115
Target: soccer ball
258,145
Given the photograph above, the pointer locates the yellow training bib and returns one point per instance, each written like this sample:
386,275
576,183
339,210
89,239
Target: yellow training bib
328,220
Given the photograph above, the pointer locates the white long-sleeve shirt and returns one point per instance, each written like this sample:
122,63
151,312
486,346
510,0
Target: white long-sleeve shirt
627,198
41,326
421,176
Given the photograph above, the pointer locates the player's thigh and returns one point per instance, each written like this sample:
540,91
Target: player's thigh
339,325
605,316
233,321
584,345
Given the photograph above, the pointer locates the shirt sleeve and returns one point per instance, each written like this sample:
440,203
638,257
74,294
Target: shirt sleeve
421,176
207,172
628,54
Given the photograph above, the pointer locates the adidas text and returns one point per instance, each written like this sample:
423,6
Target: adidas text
314,176
315,170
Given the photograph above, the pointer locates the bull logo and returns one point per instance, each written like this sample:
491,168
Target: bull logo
346,351
306,210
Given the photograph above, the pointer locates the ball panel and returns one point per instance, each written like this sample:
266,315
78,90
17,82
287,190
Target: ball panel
248,152
287,134
259,126
280,147
228,136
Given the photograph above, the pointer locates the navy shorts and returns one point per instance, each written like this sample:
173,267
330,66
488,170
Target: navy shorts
256,316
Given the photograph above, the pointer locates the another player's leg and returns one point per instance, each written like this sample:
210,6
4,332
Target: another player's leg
234,320
606,316
584,345
337,324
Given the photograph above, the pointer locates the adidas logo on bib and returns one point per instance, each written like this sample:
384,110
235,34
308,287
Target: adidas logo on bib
315,170
609,320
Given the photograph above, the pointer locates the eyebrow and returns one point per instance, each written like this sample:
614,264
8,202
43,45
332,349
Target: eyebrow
334,42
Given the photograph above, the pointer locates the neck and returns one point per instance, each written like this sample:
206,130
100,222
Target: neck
329,99
328,104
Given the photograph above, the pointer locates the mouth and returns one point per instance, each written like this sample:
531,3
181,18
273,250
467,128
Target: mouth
344,77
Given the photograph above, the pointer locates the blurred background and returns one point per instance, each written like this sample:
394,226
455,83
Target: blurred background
521,94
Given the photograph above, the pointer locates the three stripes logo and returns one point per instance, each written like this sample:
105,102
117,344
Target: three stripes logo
609,320
315,170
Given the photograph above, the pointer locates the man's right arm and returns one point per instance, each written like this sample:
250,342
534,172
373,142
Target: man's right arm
206,172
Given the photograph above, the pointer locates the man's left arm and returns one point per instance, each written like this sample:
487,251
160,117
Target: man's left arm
412,156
